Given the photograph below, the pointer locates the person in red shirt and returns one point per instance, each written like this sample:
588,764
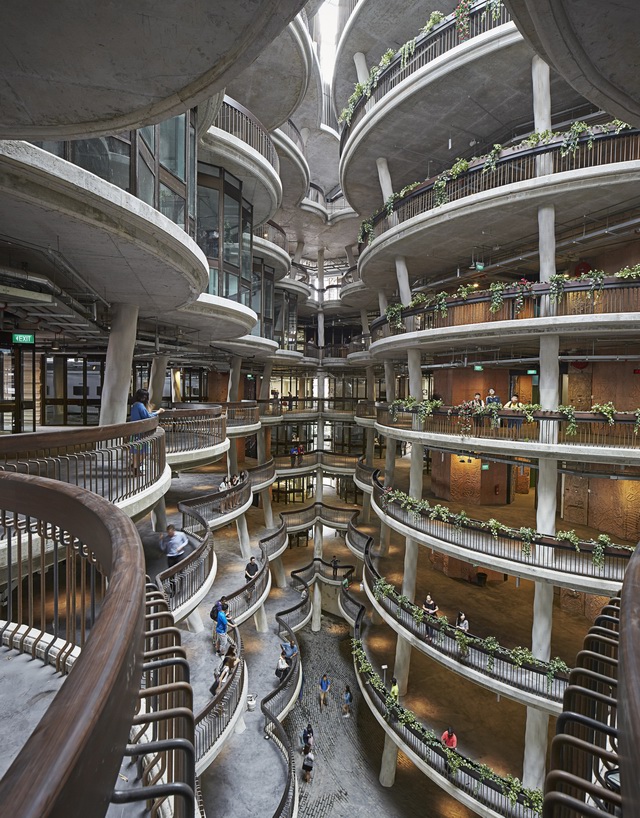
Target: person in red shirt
449,739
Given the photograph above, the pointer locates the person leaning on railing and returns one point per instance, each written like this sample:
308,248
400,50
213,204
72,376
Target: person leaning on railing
141,410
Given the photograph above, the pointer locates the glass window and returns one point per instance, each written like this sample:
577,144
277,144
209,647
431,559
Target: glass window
56,148
107,157
210,170
208,221
146,182
268,297
232,180
246,243
231,230
192,172
148,133
231,286
172,145
172,205
245,295
256,293
214,281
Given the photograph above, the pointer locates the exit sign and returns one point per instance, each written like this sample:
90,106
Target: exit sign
23,338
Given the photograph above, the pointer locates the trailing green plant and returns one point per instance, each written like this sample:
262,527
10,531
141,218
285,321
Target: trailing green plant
440,303
491,159
521,655
363,90
493,7
636,424
554,667
365,233
606,409
435,18
629,272
393,314
464,290
496,528
493,411
462,15
601,543
556,287
528,409
465,412
527,536
596,280
491,646
496,288
406,52
524,290
390,202
569,414
463,642
571,138
570,537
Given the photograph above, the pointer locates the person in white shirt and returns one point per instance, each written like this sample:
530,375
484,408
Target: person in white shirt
173,544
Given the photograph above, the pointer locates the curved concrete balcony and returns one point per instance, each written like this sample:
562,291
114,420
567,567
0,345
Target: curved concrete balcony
216,722
216,319
294,168
583,309
602,175
295,464
251,347
242,145
330,213
275,543
546,559
301,409
586,54
484,794
124,463
549,434
213,511
270,411
270,244
275,84
160,61
366,413
243,417
194,437
363,476
123,248
262,476
288,356
527,684
297,286
337,517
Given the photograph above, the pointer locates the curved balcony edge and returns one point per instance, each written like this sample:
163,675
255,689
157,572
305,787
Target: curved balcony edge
197,457
205,762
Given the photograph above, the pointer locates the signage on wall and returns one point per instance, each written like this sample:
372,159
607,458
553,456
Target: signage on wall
23,338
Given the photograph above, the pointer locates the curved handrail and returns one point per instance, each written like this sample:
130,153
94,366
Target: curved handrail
497,664
366,409
468,777
116,461
628,692
615,295
271,407
359,343
242,413
211,506
235,119
271,231
364,472
514,165
316,457
192,429
258,475
58,761
542,551
548,427
289,129
332,516
428,47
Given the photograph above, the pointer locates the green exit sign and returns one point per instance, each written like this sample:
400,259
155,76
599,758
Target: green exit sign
23,338
484,467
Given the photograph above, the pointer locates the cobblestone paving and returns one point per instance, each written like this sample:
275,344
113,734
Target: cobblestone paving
348,750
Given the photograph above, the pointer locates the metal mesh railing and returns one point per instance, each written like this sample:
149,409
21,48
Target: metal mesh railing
239,122
192,429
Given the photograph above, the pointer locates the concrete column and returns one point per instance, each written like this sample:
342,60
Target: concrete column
243,537
260,620
265,381
117,372
383,301
58,387
297,256
157,378
194,622
159,516
320,426
364,320
351,259
277,569
390,381
318,543
232,457
389,762
371,382
389,469
402,274
415,373
261,446
319,485
176,386
370,436
234,378
316,615
321,336
265,494
541,87
362,72
547,241
384,177
536,730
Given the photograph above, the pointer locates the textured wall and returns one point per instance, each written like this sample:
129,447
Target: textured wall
580,604
494,476
613,381
614,508
465,481
523,479
580,387
576,499
440,475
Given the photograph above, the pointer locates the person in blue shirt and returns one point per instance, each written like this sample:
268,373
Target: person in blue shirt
289,649
222,624
141,410
325,687
492,398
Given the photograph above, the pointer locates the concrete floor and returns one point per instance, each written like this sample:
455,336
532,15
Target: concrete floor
244,779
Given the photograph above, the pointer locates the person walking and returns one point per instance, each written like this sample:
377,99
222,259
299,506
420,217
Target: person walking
250,570
334,566
325,687
347,700
282,667
222,626
307,763
307,736
173,543
290,649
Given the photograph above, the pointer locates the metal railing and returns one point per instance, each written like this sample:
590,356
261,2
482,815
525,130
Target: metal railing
305,405
359,343
366,409
214,718
275,541
364,473
87,542
206,509
543,552
236,120
316,458
466,777
443,38
116,462
272,407
262,473
579,298
270,231
549,428
289,129
332,516
496,665
241,413
514,165
192,429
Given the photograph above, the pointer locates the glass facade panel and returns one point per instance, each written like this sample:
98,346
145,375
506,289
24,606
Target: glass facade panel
172,145
214,281
192,171
247,236
231,231
148,133
172,205
208,221
146,182
107,157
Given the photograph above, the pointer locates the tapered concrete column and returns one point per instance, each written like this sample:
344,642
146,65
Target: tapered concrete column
232,457
176,386
384,177
541,87
157,378
260,620
261,446
383,301
318,544
159,516
320,425
265,381
351,259
364,321
389,470
279,575
402,274
365,514
117,372
316,615
371,381
536,731
297,256
390,381
389,762
58,388
234,378
415,373
243,537
370,437
194,622
265,495
319,485
360,62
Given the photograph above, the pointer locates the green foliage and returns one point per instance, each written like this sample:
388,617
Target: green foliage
366,230
435,18
462,14
636,425
464,290
629,273
491,159
555,667
393,314
527,535
569,413
570,537
524,290
606,409
556,287
571,138
406,52
493,8
528,410
496,288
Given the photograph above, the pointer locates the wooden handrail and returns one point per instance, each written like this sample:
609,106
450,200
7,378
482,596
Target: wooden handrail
56,439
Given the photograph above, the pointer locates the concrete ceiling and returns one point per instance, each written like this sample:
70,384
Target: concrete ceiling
594,46
481,99
86,69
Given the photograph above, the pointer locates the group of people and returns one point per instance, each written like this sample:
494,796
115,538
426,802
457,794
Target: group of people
308,738
514,403
229,482
297,452
429,607
288,651
448,738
